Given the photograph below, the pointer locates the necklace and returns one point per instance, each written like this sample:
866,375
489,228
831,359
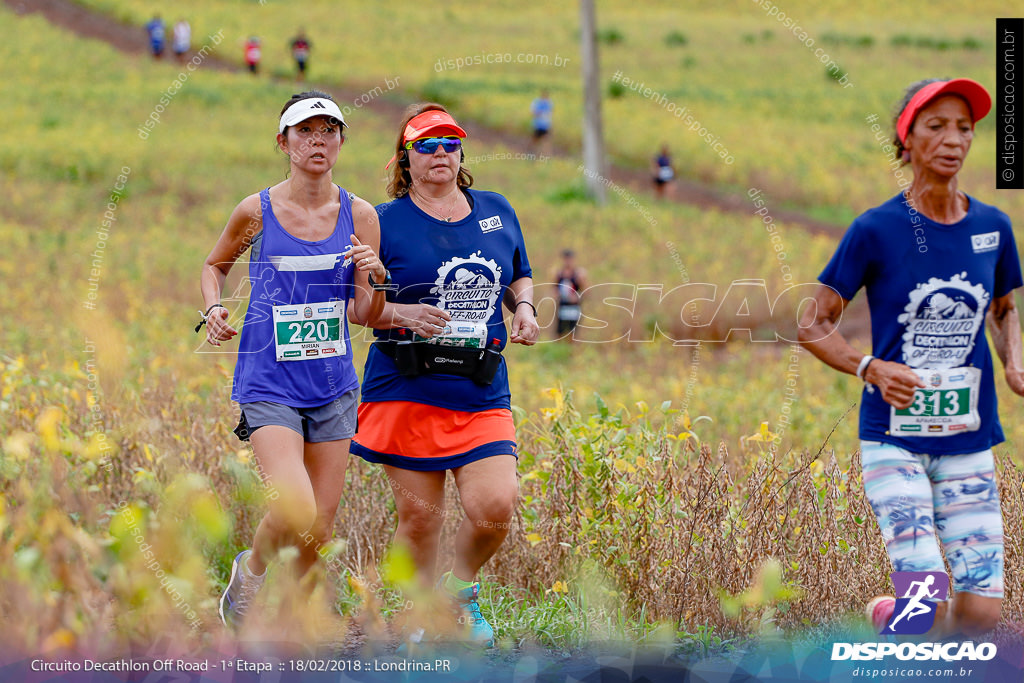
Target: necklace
439,214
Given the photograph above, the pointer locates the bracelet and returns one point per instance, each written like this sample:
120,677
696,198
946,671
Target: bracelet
864,363
206,315
520,303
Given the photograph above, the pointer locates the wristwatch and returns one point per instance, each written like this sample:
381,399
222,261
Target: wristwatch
380,286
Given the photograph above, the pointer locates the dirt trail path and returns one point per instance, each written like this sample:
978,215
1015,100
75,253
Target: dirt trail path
132,39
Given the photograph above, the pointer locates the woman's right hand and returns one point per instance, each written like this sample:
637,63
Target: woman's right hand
217,328
896,381
423,319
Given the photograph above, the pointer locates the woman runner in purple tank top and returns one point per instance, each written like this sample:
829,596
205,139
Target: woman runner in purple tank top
294,379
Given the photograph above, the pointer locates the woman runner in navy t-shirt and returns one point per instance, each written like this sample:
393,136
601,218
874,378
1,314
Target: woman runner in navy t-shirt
294,378
934,261
435,387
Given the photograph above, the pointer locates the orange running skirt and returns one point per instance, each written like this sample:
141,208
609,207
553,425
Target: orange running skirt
414,436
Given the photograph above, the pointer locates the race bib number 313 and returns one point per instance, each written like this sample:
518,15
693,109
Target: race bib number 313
947,405
308,331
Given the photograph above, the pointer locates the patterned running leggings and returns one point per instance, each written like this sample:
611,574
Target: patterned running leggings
914,496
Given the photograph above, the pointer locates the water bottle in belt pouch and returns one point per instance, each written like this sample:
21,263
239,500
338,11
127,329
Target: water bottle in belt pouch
469,335
489,363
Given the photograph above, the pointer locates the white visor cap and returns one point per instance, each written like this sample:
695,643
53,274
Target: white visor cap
307,109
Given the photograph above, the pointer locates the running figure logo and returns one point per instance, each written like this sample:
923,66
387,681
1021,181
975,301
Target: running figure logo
914,613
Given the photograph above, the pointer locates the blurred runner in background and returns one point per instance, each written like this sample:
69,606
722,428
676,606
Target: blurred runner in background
253,53
157,35
300,47
541,109
570,282
182,40
664,173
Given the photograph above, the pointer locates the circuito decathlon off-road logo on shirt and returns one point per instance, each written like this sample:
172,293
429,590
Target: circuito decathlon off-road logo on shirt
468,288
942,321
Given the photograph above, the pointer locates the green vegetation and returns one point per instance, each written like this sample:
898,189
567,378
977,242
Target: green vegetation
676,38
773,79
639,519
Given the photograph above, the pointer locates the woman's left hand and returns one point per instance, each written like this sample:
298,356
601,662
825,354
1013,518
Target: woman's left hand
1015,380
365,260
525,329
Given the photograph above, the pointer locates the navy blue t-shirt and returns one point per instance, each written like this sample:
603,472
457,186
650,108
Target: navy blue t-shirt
929,286
463,267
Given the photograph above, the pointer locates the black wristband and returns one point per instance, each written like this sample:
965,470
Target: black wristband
385,286
534,308
207,315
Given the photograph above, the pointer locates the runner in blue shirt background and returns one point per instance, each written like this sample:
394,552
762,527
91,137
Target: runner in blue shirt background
157,36
934,261
542,110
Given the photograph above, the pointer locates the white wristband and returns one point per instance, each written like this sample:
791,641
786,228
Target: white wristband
863,366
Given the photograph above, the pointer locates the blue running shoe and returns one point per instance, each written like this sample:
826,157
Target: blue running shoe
480,632
242,587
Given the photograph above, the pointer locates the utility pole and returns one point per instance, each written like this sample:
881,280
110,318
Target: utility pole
593,135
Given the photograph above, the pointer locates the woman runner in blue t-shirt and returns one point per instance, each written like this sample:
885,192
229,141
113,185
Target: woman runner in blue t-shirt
934,261
294,378
457,258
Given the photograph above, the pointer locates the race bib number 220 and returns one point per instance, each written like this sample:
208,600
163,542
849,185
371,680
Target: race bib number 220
308,331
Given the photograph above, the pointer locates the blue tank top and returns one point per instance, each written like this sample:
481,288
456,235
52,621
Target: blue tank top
283,271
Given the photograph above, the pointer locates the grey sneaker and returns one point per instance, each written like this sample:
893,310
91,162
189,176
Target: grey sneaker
242,587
